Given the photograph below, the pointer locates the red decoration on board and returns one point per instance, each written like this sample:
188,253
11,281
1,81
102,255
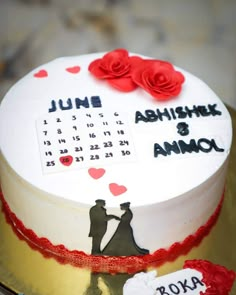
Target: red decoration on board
66,160
41,74
158,78
218,279
96,173
116,67
73,70
108,264
117,189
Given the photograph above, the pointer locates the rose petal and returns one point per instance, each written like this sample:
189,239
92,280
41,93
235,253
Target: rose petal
158,78
117,53
95,69
123,84
113,64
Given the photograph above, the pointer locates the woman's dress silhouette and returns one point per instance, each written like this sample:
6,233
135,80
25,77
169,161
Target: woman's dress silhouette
122,242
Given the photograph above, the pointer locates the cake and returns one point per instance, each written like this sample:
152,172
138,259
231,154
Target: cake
111,163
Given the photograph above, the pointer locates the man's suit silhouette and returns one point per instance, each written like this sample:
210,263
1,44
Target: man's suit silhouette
98,225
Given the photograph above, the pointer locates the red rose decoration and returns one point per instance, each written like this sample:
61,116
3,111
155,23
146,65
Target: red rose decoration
126,73
218,279
159,78
116,66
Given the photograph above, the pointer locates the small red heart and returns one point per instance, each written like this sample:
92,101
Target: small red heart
73,70
66,160
117,189
41,74
96,173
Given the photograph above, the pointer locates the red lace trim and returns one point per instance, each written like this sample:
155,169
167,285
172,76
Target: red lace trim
217,279
107,264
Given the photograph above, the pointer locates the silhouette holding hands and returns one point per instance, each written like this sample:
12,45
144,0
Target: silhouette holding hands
122,243
98,225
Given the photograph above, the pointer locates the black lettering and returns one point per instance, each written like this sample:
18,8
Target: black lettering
196,282
188,147
174,289
217,149
151,115
140,117
171,147
164,113
96,101
212,109
79,102
68,107
158,150
181,113
209,145
53,107
203,111
205,145
192,111
173,113
185,286
162,290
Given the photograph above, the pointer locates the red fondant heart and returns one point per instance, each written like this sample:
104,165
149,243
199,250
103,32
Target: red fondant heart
73,70
41,74
117,189
96,173
66,160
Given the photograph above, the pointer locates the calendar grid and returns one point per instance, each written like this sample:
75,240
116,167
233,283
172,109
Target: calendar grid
74,140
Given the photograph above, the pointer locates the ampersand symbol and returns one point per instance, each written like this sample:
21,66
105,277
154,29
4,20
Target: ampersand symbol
183,128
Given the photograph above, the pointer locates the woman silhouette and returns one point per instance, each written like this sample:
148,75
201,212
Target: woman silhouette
122,242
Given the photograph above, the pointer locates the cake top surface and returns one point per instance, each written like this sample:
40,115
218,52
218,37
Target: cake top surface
77,132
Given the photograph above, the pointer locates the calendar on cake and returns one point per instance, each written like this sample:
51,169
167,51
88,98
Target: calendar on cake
73,140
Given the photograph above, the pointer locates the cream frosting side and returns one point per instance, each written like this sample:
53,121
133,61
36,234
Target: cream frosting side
49,216
162,190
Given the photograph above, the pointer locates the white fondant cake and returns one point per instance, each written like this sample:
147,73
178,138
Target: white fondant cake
70,140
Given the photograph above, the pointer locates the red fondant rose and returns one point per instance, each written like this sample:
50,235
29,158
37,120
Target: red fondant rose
116,66
159,78
218,279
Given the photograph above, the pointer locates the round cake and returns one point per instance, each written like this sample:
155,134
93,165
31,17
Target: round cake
111,163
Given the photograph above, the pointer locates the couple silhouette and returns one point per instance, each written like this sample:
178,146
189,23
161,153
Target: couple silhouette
122,243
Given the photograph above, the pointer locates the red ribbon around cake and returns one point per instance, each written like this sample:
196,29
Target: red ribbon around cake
107,264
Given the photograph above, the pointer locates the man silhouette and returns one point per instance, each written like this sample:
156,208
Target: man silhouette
98,225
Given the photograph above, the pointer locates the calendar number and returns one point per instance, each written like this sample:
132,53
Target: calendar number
107,144
65,151
47,142
78,149
94,147
124,142
94,157
76,138
79,159
125,153
92,135
49,153
50,163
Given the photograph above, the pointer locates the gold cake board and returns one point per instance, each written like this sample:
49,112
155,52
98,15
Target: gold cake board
223,237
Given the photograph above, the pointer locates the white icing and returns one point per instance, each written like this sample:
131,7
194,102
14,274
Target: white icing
162,191
179,282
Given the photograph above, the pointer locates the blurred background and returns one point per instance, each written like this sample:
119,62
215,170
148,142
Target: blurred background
198,35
